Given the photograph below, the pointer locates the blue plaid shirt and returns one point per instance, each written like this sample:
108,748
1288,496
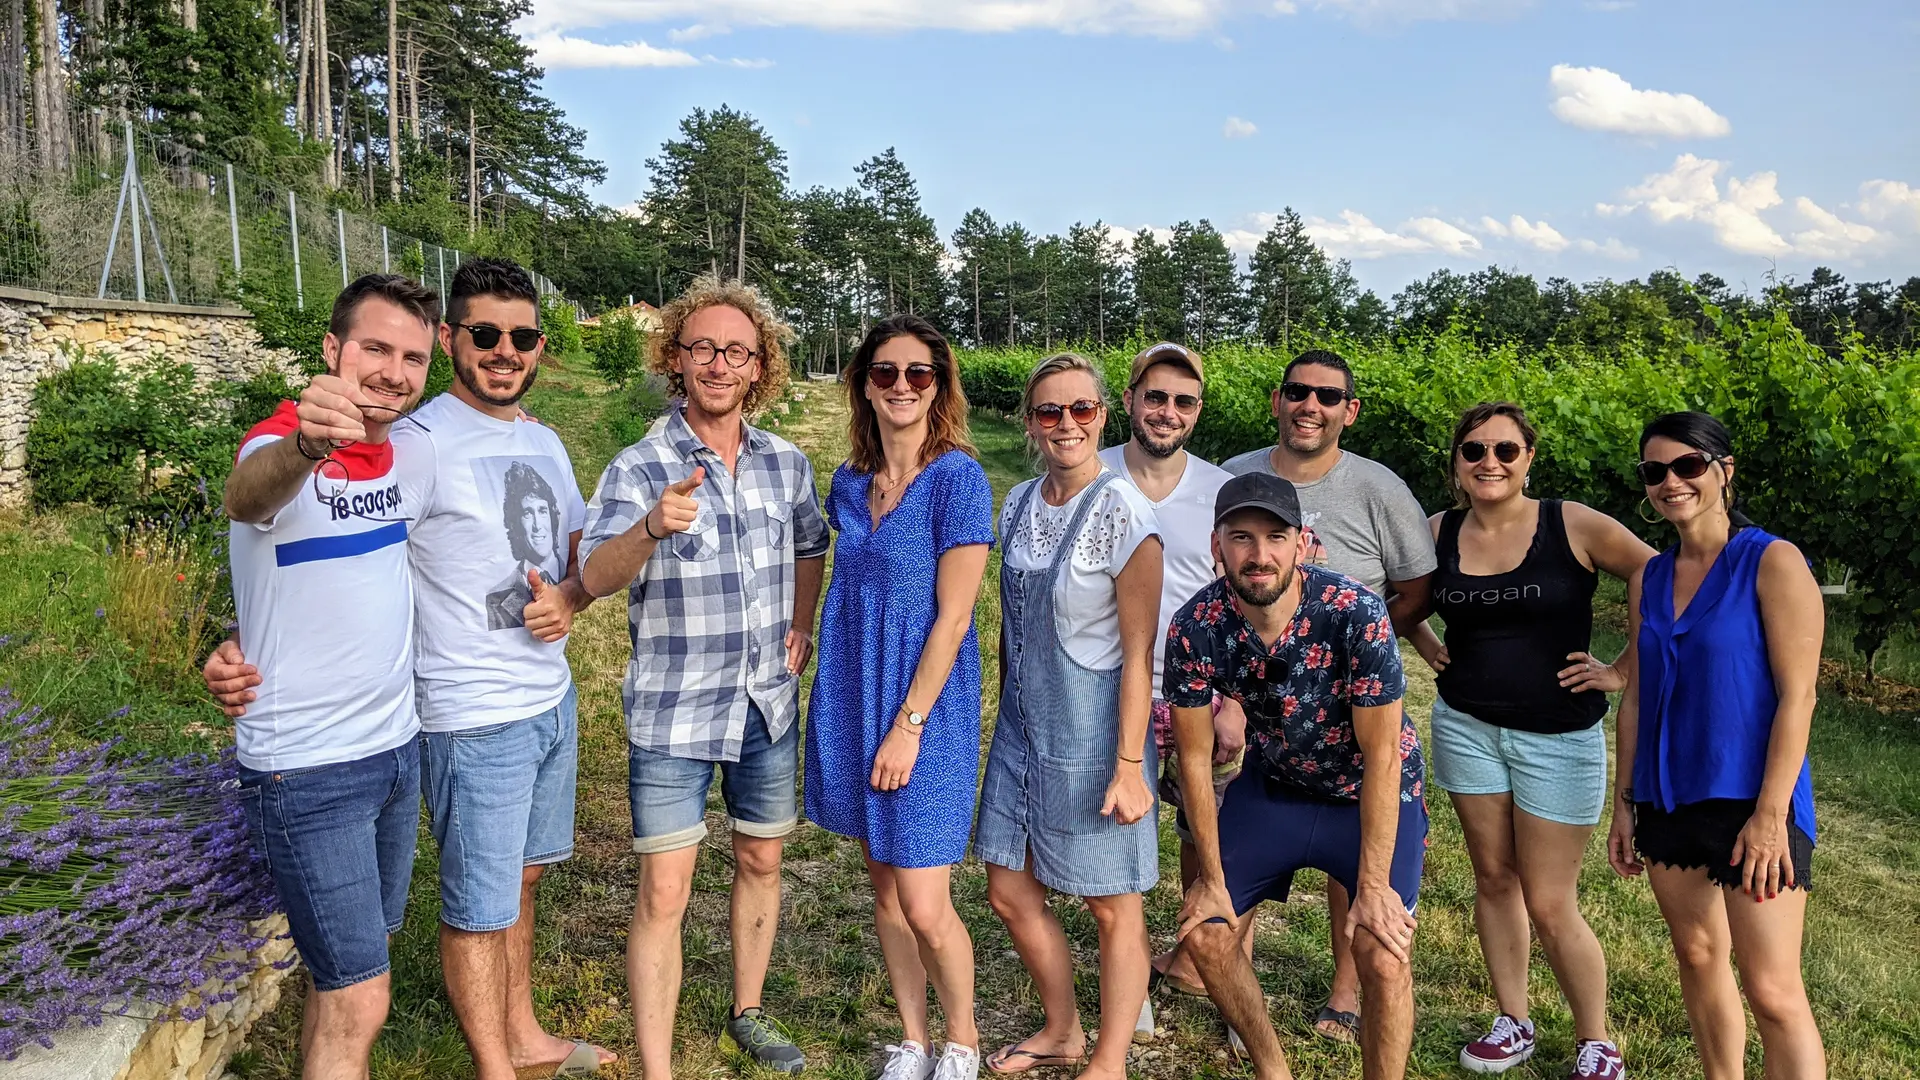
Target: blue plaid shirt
709,611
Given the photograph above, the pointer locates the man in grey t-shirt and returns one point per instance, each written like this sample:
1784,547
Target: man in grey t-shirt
1366,524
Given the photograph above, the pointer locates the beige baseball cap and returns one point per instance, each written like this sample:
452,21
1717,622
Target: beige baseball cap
1165,352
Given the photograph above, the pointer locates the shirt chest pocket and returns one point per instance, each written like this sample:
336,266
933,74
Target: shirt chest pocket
701,541
773,520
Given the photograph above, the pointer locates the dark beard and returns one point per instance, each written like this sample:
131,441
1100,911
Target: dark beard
1153,446
1262,597
470,379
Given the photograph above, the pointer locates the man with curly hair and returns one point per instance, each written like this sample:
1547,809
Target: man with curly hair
714,529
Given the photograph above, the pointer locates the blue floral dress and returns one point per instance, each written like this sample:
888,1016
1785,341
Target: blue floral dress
879,610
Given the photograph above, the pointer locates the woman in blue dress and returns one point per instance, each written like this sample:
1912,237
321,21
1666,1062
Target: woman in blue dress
893,726
1715,793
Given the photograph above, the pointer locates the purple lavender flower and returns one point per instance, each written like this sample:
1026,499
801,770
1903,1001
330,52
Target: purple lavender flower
125,880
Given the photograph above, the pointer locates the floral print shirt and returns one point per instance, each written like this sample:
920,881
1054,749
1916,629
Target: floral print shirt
1337,652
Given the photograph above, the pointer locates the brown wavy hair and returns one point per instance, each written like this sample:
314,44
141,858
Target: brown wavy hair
946,421
1472,419
709,291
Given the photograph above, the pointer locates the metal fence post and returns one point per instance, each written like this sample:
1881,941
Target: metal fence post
340,232
233,219
293,227
386,260
133,204
440,256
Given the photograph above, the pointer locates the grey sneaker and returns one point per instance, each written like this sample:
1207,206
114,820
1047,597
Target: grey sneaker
754,1035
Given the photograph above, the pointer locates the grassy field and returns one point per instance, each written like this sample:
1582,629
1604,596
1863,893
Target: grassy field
828,986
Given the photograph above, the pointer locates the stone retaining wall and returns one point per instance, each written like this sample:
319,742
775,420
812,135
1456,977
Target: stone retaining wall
132,1048
39,331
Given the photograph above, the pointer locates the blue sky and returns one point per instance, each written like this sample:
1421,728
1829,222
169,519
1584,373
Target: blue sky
1574,137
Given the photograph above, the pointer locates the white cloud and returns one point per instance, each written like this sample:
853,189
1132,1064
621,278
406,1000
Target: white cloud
1355,236
1538,235
1599,100
557,51
696,31
1890,200
1236,128
1161,18
1827,236
735,61
1690,191
1612,248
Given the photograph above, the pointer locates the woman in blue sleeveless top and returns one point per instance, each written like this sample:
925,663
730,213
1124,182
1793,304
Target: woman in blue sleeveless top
1718,800
893,726
1067,803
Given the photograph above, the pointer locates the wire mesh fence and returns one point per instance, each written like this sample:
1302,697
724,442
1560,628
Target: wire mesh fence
122,213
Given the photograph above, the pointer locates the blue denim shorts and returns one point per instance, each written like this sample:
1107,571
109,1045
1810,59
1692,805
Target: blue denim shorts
1559,778
499,798
339,840
669,794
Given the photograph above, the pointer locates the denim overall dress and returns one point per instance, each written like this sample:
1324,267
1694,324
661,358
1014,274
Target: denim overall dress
1055,743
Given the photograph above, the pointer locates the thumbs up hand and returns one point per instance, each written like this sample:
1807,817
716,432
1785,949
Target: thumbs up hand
549,617
677,508
329,407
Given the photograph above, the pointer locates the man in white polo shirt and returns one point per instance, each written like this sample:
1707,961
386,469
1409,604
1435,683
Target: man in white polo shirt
1164,399
329,762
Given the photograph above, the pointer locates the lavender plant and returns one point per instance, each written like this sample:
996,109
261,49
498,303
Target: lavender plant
127,882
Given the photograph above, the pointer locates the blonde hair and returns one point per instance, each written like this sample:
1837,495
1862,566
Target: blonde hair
708,291
1055,365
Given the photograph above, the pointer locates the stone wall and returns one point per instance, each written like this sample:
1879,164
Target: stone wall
39,331
132,1048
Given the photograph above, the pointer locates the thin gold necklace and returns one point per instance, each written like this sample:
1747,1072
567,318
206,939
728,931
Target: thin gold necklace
887,489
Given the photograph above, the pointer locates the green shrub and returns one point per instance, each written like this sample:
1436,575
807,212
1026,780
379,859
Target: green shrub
639,404
589,337
84,436
618,353
557,322
283,324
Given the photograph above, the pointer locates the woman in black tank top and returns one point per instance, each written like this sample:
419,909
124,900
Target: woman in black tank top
1516,738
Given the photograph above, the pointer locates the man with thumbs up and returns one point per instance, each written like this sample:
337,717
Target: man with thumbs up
329,763
713,528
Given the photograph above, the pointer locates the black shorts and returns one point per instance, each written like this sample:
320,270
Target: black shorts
1702,834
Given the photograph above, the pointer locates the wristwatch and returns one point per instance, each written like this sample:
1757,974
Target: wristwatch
915,721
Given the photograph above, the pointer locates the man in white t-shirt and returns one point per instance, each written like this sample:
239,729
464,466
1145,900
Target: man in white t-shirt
329,762
499,515
1164,399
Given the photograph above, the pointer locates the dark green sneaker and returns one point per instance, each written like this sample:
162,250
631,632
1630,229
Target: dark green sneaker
754,1035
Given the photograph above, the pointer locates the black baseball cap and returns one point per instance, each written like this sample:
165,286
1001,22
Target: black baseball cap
1261,491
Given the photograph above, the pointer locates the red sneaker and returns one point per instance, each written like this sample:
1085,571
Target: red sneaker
1597,1059
1508,1044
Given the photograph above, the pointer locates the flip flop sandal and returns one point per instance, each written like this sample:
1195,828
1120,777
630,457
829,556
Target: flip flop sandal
1034,1060
582,1060
1349,1025
1175,983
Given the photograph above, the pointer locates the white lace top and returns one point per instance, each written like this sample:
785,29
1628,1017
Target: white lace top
1086,614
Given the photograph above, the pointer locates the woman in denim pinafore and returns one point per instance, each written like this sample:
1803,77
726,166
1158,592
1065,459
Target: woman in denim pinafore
1067,803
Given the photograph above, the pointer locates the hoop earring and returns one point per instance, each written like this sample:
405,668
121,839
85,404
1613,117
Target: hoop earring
1647,502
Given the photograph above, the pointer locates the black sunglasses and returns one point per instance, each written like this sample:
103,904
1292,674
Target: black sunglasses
1158,399
1049,414
525,338
919,376
1686,467
1328,396
1507,452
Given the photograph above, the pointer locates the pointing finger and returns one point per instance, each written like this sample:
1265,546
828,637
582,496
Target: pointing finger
687,486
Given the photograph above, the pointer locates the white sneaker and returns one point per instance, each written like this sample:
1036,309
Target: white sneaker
908,1061
958,1063
1143,1027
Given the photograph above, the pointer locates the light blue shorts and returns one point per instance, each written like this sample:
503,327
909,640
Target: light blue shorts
1559,778
499,798
668,795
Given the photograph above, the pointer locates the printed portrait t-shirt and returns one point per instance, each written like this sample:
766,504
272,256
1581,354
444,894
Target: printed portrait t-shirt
498,499
325,603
